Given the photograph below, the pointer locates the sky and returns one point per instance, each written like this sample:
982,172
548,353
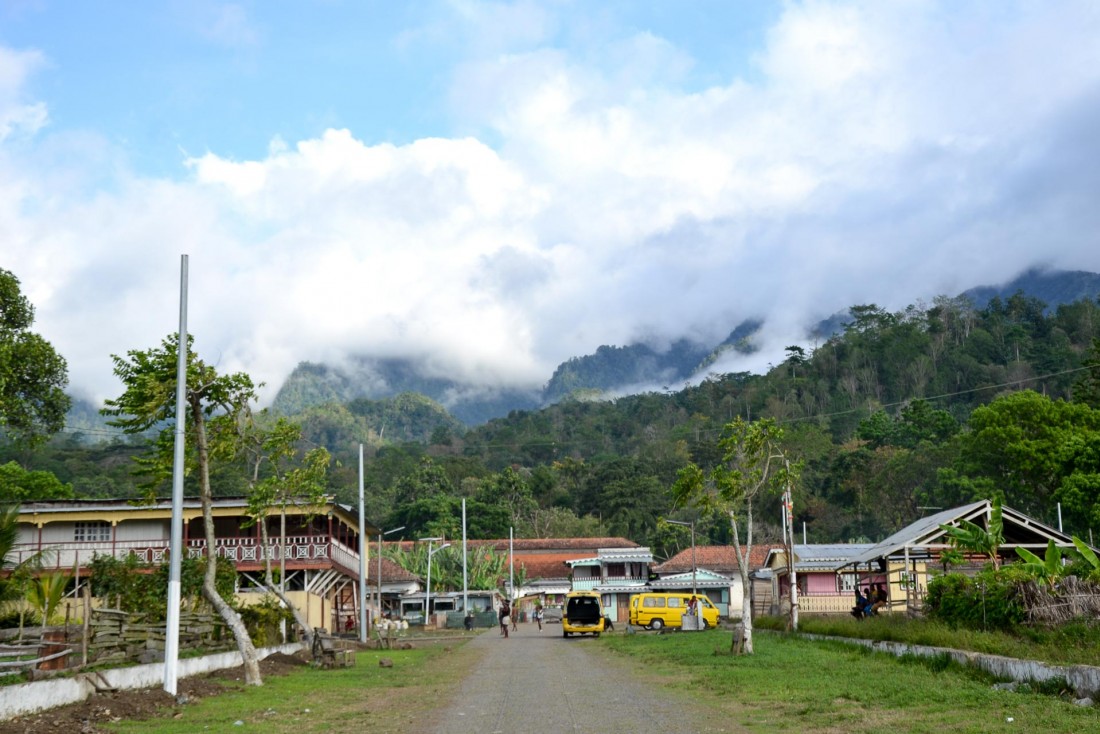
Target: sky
491,188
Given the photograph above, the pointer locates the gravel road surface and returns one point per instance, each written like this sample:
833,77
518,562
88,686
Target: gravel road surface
540,681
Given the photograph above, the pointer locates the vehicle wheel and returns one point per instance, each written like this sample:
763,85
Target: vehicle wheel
595,634
656,625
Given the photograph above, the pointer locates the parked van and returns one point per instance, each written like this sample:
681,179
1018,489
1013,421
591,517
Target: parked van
582,614
657,610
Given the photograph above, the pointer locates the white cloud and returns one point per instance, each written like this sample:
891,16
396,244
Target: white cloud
18,116
885,152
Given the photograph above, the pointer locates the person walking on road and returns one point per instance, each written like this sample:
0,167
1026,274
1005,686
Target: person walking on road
505,614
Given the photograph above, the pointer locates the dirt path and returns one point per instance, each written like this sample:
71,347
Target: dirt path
540,681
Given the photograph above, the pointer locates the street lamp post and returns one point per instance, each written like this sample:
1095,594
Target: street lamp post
428,588
380,536
692,526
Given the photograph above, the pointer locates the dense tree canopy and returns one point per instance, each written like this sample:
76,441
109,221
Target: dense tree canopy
33,376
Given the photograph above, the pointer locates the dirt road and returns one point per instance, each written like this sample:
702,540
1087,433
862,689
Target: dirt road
540,681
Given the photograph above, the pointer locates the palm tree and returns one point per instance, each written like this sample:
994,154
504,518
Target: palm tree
46,592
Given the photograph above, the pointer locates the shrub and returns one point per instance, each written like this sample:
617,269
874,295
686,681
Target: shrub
140,587
988,601
263,621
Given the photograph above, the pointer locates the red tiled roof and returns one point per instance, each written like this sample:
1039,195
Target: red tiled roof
525,545
547,565
391,572
544,558
719,558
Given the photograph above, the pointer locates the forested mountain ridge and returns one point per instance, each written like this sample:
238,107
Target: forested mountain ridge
931,406
880,414
610,370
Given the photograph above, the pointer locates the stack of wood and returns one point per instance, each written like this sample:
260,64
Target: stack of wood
1071,599
118,636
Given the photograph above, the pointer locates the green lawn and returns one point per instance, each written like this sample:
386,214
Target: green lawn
1076,643
796,685
365,697
789,685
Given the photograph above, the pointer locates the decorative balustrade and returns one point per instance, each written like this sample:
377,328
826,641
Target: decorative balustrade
241,551
589,584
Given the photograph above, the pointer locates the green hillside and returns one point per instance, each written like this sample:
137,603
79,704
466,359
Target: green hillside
931,406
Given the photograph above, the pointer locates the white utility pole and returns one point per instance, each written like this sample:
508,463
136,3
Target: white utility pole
172,632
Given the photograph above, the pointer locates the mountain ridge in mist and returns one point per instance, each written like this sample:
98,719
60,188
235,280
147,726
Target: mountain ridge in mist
610,369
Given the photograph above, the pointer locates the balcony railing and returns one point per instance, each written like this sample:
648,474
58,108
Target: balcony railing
241,551
588,584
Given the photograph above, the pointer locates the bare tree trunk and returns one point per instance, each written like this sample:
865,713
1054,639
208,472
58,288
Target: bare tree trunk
278,591
746,584
209,586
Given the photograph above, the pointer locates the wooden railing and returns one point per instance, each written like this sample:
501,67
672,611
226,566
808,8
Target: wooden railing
241,551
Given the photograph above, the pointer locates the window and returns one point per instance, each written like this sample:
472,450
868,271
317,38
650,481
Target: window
674,602
651,601
92,531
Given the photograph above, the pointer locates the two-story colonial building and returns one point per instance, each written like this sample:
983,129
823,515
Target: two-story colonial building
317,546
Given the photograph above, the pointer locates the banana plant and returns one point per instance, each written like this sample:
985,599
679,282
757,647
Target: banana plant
1048,569
1086,555
972,538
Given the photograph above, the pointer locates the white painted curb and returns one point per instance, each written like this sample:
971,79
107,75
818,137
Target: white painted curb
27,698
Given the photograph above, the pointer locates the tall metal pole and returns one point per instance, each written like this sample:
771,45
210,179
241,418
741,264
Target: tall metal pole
465,592
362,556
172,633
379,579
428,590
693,564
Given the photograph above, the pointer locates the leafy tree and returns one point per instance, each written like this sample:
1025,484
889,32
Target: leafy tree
753,465
18,485
213,402
1087,389
509,489
33,376
277,481
1040,451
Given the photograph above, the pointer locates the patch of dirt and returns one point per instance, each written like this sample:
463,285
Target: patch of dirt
144,703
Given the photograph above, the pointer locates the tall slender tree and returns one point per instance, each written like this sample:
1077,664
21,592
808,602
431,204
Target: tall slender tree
277,480
753,464
213,402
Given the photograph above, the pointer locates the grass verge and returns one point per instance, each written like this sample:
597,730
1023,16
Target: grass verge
797,685
365,697
1076,643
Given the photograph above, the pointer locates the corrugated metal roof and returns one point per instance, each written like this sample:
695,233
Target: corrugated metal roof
925,537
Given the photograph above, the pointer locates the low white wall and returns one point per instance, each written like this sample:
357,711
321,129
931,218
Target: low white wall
1083,679
26,698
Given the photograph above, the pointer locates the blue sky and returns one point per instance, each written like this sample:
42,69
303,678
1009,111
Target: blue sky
490,188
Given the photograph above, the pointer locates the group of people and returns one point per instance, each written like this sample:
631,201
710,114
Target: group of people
870,602
507,619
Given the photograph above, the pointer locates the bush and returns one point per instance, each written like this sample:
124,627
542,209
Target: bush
141,587
988,601
263,621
